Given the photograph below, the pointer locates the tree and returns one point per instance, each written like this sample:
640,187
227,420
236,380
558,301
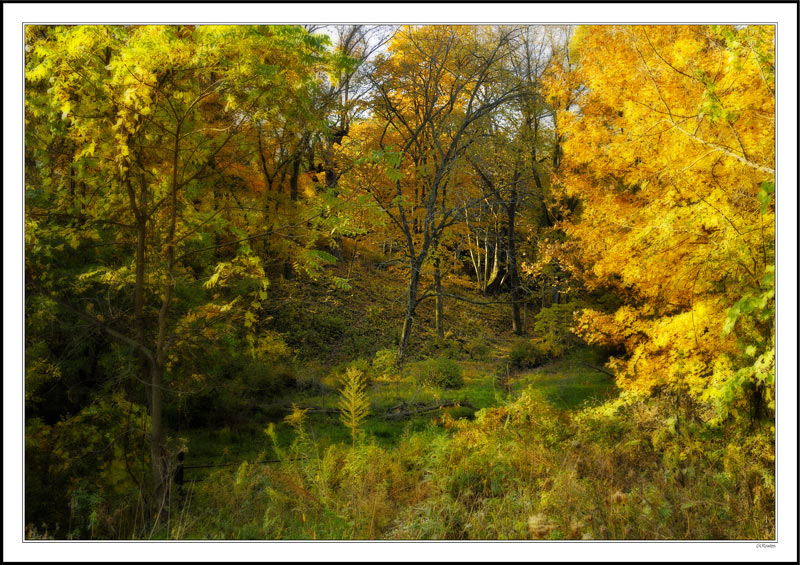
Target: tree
434,87
343,98
508,163
676,182
144,120
353,404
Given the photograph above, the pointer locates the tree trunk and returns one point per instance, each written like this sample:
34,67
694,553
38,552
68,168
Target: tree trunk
262,160
437,277
495,265
293,194
413,287
475,264
157,452
511,209
156,383
293,181
138,298
485,283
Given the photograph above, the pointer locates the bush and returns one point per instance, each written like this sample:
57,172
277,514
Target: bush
440,347
525,355
362,365
477,350
338,374
528,354
309,378
439,371
385,361
555,323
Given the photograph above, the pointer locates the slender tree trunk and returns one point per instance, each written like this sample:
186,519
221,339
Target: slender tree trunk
413,287
511,209
138,298
475,264
157,454
147,365
293,181
157,434
263,162
495,264
293,194
485,284
437,277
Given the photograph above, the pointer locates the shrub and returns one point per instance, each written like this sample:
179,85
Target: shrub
353,404
527,354
338,374
438,371
78,478
385,361
440,347
310,377
477,350
362,365
554,325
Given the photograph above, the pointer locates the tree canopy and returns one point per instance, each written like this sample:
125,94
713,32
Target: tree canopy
202,201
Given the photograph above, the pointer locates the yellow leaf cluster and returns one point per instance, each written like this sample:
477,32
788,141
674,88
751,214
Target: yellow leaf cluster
669,146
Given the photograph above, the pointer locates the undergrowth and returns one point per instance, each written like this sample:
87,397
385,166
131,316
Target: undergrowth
522,470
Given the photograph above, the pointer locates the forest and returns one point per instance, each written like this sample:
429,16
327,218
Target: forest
409,282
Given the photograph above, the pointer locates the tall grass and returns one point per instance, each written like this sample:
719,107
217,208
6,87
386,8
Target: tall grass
524,470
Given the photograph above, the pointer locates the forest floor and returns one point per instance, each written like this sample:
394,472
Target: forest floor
566,384
509,454
337,327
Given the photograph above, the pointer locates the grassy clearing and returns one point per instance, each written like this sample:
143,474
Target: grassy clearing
569,383
520,470
530,459
565,384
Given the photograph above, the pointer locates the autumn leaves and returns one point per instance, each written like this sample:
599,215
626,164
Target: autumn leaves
669,148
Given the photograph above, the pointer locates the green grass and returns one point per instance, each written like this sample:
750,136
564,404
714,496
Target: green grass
566,384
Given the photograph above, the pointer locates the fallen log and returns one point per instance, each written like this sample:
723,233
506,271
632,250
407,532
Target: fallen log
398,413
312,409
600,369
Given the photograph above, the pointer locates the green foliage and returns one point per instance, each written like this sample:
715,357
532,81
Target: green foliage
439,371
759,305
527,354
477,349
144,135
385,361
555,323
339,373
363,366
440,347
750,387
310,333
84,467
353,404
522,470
519,471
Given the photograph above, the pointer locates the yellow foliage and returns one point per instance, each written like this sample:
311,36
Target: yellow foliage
671,149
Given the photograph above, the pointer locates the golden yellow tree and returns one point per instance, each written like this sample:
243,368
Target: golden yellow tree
670,147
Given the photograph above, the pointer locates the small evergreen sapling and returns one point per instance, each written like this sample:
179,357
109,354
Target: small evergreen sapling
353,404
